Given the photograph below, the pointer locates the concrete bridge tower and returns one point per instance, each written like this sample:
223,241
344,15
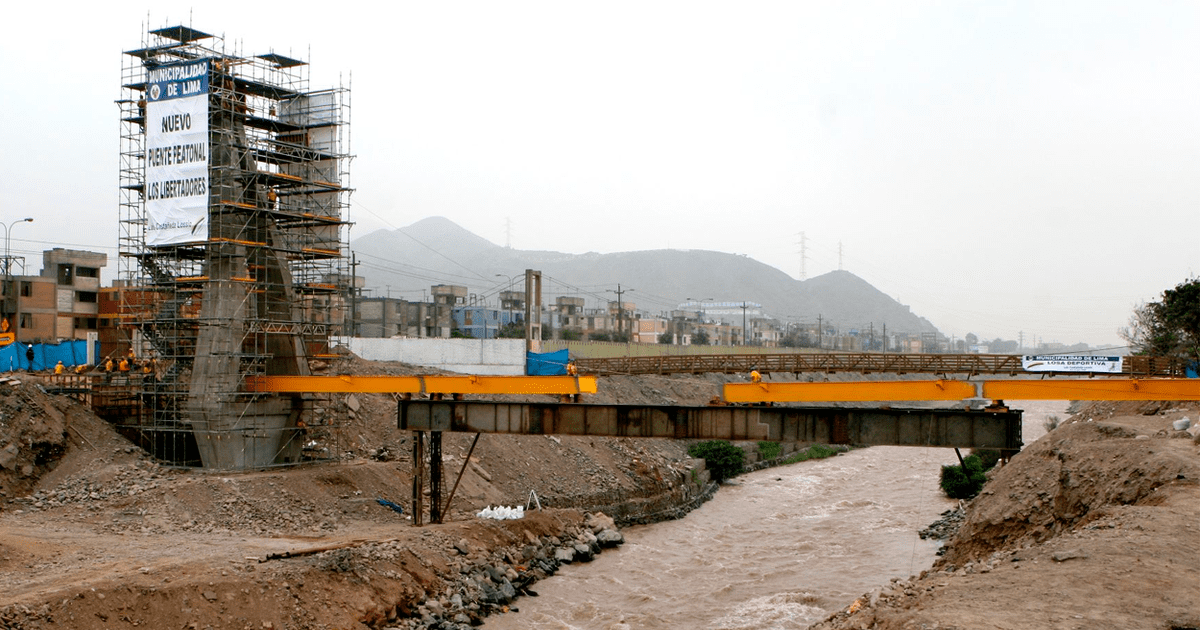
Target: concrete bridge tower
233,225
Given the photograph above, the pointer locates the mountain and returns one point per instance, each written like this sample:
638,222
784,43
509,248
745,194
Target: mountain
438,251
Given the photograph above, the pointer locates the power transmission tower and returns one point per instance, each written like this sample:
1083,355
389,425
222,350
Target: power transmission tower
803,256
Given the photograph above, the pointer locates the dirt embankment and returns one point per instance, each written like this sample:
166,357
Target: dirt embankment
1096,525
94,534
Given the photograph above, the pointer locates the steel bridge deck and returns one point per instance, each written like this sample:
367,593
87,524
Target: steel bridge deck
827,425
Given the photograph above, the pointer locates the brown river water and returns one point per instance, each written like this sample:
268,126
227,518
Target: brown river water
780,548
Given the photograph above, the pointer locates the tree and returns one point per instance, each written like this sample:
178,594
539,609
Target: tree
570,335
511,330
1169,327
700,338
666,338
798,339
972,340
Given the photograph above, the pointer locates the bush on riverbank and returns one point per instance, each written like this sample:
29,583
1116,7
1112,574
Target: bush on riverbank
722,459
964,482
769,450
816,451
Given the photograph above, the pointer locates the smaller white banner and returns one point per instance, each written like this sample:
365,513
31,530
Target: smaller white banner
1070,363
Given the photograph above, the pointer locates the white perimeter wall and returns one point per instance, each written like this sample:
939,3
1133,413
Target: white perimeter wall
504,357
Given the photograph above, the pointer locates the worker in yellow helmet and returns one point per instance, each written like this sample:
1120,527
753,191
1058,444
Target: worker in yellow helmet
755,377
59,368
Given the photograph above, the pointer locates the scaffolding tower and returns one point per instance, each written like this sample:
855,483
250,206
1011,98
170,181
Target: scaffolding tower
233,248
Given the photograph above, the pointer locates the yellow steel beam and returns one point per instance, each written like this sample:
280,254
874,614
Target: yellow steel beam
1047,389
350,384
848,392
1095,389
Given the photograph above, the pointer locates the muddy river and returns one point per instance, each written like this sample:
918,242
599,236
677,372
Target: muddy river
779,548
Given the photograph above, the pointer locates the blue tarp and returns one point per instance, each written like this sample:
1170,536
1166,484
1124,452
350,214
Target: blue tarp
547,363
45,356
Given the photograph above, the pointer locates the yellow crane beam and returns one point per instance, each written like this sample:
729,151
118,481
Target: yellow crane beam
848,392
470,384
1047,389
1095,389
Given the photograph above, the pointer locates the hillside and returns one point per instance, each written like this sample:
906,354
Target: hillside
436,250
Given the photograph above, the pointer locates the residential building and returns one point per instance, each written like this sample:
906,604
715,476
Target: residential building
62,302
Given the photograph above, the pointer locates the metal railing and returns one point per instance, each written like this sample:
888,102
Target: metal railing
862,362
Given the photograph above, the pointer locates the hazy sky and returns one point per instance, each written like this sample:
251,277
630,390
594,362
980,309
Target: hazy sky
1000,167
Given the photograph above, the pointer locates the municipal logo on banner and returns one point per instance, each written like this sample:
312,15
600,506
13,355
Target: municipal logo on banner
177,153
1071,363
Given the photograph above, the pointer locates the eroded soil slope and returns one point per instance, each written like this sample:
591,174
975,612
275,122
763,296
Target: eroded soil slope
1096,525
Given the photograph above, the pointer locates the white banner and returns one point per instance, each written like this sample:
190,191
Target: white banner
177,153
1071,363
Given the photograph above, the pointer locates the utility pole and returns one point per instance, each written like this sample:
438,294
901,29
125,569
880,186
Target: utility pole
885,338
620,309
1021,341
820,333
744,323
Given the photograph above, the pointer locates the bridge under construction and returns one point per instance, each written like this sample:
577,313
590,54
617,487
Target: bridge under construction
860,362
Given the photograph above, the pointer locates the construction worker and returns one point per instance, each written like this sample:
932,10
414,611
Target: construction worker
59,368
571,369
108,365
29,356
755,377
123,366
81,368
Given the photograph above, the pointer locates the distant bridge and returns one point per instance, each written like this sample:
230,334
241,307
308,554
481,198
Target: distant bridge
861,362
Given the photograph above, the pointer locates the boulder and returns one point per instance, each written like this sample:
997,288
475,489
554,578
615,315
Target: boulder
610,538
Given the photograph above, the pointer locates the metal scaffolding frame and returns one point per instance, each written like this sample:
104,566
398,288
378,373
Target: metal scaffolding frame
263,292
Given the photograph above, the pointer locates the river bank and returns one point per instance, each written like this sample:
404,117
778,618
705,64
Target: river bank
1096,525
93,533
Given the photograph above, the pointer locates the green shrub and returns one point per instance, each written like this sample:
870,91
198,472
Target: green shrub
722,459
769,450
987,457
963,482
816,451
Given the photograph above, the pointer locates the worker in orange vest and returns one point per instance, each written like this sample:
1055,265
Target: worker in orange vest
59,368
123,365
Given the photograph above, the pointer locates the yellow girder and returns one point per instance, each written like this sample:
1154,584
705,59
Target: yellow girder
848,392
1095,389
1047,389
349,384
